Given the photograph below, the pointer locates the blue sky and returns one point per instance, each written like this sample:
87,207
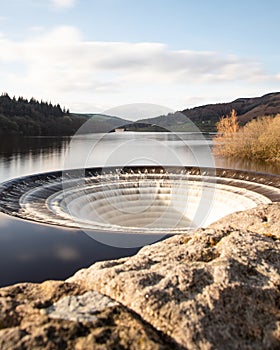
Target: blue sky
92,55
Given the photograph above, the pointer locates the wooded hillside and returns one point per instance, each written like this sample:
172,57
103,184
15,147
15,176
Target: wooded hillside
31,117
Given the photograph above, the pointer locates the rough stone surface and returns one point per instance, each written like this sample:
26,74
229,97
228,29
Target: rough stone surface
216,289
264,219
58,315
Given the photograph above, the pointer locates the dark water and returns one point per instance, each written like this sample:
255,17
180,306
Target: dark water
34,252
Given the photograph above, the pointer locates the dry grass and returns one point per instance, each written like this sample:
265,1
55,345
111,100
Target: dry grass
259,139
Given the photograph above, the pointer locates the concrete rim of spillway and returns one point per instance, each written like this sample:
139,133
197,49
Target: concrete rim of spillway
140,199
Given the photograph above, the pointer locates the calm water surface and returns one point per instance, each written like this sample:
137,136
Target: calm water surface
34,252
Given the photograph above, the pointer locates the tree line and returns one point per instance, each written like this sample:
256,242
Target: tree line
19,116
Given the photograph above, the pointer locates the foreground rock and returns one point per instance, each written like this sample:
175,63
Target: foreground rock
58,315
264,219
217,289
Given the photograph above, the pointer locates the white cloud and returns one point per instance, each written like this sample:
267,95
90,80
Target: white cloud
62,66
63,3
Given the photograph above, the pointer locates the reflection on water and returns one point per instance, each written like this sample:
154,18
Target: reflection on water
33,252
131,148
246,164
22,156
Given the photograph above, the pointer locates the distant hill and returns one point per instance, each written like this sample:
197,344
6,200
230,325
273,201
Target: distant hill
102,122
206,117
33,118
19,116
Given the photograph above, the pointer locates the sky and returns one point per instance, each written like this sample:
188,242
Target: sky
95,55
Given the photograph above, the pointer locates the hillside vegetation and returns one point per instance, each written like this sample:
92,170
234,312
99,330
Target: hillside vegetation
259,139
205,117
33,118
28,118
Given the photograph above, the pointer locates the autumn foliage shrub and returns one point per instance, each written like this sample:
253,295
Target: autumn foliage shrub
259,139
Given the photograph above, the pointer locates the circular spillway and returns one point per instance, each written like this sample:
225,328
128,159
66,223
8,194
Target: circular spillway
136,199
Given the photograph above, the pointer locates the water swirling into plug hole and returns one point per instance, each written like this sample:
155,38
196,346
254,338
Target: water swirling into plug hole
136,200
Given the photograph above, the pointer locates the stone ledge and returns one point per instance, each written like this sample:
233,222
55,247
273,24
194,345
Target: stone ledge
216,289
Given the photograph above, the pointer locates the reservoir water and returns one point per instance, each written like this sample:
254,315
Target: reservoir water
34,252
